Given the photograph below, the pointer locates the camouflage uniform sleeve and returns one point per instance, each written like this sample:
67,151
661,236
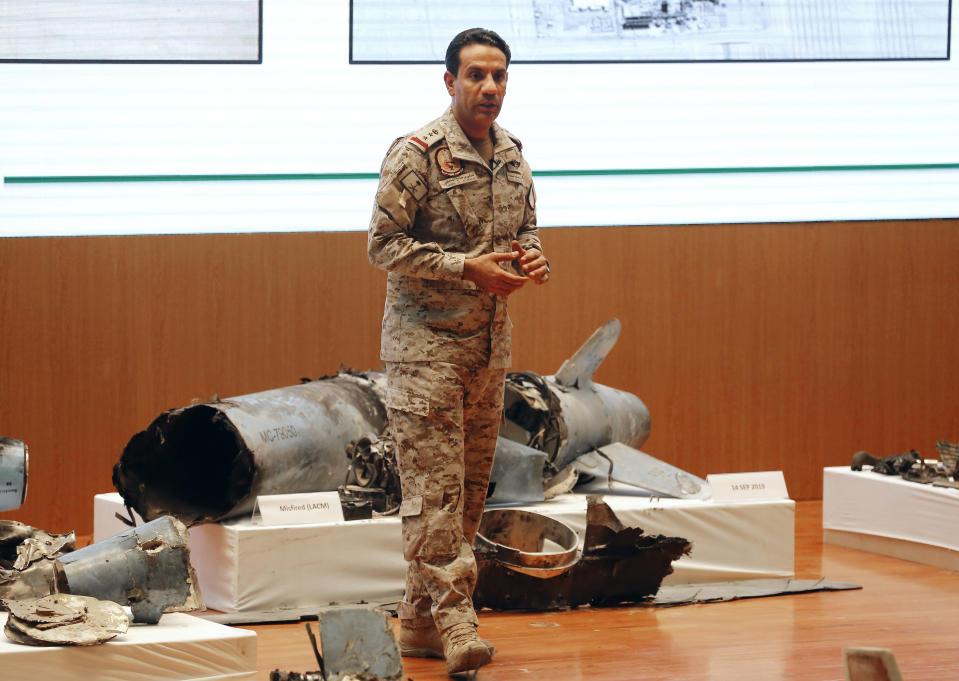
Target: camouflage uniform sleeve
528,233
390,243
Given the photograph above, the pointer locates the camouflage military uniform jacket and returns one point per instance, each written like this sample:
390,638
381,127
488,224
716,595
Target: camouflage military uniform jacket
439,203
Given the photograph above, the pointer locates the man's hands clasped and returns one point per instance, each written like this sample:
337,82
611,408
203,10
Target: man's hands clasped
485,270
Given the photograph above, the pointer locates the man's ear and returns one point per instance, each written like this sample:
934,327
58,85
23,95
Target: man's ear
448,78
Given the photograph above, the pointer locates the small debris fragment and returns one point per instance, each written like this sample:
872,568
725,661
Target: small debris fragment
64,620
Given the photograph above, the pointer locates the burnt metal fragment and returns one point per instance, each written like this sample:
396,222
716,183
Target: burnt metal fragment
358,645
22,545
277,675
913,467
949,457
372,480
27,560
895,464
14,465
146,567
618,565
64,620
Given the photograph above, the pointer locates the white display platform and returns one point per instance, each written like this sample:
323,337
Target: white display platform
891,516
255,573
180,648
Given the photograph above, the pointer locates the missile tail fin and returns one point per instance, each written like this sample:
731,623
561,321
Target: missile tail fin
578,370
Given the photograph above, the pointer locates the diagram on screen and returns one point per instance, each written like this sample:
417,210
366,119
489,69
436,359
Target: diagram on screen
386,31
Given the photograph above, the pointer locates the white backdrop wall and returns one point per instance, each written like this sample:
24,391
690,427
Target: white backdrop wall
295,142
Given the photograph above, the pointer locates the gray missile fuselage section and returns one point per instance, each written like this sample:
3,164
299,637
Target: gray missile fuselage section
211,461
589,427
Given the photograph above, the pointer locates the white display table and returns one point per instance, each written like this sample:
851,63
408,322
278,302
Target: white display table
891,516
254,573
180,648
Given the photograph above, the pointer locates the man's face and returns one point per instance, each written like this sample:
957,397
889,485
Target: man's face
478,89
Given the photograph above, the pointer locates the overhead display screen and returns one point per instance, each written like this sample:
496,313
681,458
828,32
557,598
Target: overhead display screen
630,113
130,30
659,30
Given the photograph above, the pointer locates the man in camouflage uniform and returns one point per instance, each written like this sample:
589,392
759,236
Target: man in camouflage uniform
455,227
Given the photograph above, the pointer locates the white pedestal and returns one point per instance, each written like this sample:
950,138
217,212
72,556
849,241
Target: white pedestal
180,648
255,573
891,516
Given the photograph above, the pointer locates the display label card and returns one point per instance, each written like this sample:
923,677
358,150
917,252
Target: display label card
748,486
298,509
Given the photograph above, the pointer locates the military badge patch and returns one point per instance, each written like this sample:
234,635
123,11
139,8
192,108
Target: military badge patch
413,184
449,166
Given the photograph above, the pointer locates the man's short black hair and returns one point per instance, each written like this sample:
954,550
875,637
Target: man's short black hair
482,36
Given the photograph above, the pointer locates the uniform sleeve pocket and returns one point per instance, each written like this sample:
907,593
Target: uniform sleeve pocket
406,400
411,506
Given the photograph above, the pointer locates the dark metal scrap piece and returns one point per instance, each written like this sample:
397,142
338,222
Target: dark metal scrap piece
359,643
618,565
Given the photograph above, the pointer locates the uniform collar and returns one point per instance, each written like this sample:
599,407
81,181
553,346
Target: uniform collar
460,145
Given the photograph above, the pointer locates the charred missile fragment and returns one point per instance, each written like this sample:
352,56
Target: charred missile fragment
147,568
211,461
64,620
525,563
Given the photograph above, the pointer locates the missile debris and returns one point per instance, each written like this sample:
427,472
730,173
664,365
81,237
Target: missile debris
64,619
210,461
147,568
527,542
587,427
14,464
27,557
913,467
358,645
22,545
618,565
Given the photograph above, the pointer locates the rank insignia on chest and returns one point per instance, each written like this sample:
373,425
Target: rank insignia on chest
449,166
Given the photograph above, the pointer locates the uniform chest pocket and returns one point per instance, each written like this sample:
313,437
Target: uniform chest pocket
460,201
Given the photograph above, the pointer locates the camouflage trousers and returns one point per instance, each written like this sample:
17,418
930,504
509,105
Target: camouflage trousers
444,420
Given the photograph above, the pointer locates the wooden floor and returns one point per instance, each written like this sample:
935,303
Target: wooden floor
910,608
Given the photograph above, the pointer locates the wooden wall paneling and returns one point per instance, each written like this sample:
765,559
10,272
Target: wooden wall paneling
756,347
